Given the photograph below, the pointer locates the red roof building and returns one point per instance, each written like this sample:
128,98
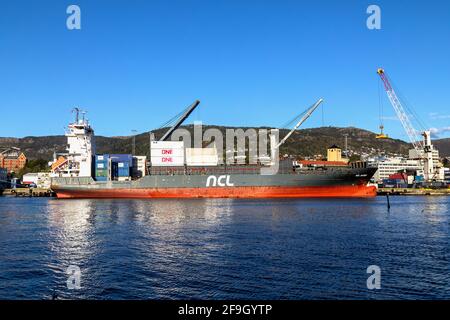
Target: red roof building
12,160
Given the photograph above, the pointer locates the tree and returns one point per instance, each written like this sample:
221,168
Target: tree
446,162
37,165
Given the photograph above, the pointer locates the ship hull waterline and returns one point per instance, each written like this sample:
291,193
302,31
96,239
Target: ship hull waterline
352,191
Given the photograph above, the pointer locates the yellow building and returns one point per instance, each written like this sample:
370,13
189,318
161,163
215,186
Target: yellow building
334,153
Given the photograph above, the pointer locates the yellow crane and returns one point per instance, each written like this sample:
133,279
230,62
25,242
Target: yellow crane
381,135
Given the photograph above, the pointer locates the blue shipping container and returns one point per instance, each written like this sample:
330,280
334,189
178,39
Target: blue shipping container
122,158
118,164
123,169
101,166
124,162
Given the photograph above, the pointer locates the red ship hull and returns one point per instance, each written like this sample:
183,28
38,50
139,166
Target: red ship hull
357,191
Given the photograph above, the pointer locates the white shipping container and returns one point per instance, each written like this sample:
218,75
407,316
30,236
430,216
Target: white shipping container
139,166
201,152
201,157
410,179
163,152
167,144
167,161
201,164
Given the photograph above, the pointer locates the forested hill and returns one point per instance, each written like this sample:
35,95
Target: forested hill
304,142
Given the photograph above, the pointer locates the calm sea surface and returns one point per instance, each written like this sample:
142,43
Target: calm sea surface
225,249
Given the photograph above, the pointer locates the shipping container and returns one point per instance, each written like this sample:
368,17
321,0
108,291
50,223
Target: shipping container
101,162
202,161
121,157
123,171
167,145
419,179
167,153
139,168
167,161
202,157
113,166
394,183
162,152
101,157
101,173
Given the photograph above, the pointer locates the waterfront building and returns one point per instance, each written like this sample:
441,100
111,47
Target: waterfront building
390,166
414,154
3,177
39,179
446,175
12,159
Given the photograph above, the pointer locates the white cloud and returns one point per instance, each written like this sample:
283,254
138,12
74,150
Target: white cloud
438,116
436,132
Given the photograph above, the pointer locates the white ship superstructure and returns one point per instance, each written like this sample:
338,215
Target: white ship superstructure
77,162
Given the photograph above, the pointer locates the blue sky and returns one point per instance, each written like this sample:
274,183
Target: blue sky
135,64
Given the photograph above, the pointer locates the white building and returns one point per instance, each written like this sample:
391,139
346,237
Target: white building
413,154
40,179
388,166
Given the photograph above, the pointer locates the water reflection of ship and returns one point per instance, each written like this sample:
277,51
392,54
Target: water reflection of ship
73,222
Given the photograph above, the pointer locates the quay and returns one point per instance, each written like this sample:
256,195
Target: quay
28,192
413,192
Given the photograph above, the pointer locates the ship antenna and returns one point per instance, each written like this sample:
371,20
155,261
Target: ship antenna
76,110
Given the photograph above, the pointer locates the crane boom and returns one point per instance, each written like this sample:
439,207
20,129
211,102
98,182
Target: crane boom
307,114
180,120
400,111
424,148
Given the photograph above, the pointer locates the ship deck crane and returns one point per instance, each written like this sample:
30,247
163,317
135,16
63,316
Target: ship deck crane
180,120
423,147
305,116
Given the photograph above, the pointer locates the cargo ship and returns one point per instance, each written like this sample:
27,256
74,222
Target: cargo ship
301,184
171,174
